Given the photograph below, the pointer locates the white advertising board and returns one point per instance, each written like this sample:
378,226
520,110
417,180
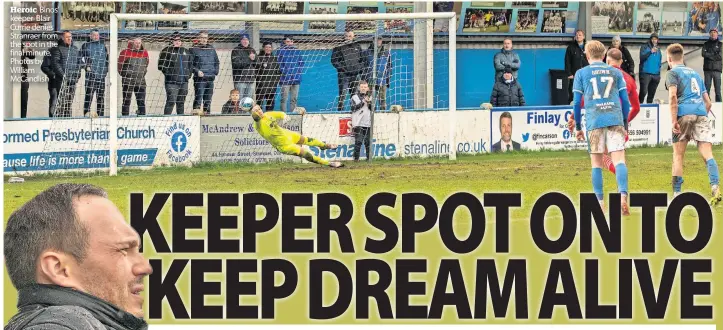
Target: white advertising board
234,139
82,144
426,133
545,128
336,128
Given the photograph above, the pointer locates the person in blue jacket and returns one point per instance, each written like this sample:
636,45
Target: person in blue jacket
205,69
650,61
291,64
95,55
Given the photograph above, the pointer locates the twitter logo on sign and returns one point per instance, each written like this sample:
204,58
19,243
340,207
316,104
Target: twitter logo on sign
525,137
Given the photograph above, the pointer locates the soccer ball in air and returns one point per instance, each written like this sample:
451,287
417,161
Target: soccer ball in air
247,103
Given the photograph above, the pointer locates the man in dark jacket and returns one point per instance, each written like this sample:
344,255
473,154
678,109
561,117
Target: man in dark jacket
75,262
243,63
133,66
507,92
628,65
66,63
267,77
205,70
53,84
27,54
575,59
95,56
175,62
650,61
349,62
712,63
506,58
291,63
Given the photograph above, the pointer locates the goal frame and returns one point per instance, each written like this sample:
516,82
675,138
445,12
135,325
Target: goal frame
251,18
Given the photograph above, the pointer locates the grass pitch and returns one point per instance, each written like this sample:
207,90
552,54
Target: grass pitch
531,174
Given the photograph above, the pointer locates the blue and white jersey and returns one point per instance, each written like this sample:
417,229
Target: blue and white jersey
600,85
690,90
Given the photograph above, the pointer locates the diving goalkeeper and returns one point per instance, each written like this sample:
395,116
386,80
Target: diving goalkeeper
285,141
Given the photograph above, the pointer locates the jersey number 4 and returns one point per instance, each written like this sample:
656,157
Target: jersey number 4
608,81
694,86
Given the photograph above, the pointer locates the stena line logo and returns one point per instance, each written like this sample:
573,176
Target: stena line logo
179,149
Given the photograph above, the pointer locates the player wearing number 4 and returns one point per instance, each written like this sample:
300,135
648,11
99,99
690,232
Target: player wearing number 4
689,107
286,141
606,110
615,59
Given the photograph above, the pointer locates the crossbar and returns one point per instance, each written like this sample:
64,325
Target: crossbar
282,18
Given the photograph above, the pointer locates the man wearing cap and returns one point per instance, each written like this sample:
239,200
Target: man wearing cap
291,64
243,62
175,62
650,61
712,63
205,70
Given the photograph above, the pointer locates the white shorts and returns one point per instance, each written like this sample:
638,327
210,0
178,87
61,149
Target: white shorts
692,127
606,139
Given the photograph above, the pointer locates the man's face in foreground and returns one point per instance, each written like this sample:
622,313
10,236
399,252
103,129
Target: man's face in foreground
113,269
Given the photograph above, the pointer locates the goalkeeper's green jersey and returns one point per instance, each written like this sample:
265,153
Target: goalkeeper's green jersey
270,129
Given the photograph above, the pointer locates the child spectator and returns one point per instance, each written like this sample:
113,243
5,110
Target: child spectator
361,119
233,105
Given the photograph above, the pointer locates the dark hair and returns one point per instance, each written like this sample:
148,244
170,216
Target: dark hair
267,43
48,221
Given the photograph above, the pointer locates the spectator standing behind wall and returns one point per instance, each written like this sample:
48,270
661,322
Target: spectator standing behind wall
95,56
506,58
243,62
205,69
507,92
628,65
267,77
383,74
650,61
291,64
176,63
133,66
53,84
712,64
66,63
27,54
575,59
349,63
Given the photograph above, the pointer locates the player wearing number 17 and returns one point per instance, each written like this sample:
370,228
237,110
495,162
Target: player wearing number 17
689,107
606,110
286,141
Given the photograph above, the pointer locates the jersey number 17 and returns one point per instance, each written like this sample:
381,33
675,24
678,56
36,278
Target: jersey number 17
608,81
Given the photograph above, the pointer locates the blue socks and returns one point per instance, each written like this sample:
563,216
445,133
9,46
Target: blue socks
712,171
621,174
677,183
597,182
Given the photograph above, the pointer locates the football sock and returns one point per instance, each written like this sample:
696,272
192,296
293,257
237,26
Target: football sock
313,142
677,183
712,171
597,182
609,163
315,159
621,174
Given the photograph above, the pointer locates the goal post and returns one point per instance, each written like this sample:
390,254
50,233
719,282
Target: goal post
121,127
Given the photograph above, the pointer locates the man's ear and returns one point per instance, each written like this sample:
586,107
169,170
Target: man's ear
56,268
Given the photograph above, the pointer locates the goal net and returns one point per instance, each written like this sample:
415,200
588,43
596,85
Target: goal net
162,89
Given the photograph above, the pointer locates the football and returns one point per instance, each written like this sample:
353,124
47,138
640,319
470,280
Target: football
247,103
